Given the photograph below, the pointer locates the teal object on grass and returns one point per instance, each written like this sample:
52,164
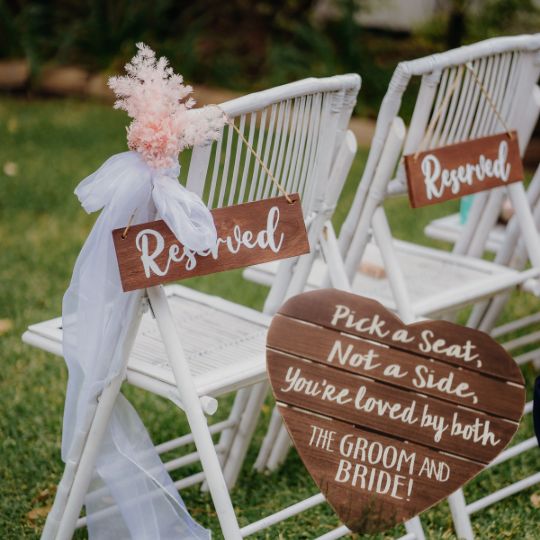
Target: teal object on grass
464,207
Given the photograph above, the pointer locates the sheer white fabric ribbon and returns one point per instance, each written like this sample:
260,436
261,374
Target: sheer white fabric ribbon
131,490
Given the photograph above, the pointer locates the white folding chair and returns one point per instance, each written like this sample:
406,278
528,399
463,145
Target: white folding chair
420,281
510,252
192,348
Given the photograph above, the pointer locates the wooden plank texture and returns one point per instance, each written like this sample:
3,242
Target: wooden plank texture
388,418
248,234
452,171
451,343
338,394
370,359
370,480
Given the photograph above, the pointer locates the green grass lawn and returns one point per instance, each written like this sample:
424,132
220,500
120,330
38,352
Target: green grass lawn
55,144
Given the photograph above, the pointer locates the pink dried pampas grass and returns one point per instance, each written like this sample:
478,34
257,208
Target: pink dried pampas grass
164,122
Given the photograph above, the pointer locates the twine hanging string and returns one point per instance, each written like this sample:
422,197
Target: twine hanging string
258,158
442,106
130,221
489,99
444,103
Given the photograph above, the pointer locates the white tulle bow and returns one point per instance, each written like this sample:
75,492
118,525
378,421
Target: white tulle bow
132,495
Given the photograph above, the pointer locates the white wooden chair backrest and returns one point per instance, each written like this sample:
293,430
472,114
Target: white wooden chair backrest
508,74
508,67
296,128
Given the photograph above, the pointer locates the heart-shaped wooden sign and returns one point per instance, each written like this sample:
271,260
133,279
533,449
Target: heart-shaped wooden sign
388,418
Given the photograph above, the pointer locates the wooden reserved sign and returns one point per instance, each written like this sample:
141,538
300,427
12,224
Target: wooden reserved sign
452,171
388,418
249,233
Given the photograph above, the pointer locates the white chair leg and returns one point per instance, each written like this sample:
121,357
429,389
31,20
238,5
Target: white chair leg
339,532
460,516
268,441
227,435
244,433
239,406
79,468
195,415
85,468
414,526
280,450
60,500
336,275
62,492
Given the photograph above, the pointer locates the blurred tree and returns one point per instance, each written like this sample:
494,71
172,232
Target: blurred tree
503,17
456,23
244,44
467,21
23,25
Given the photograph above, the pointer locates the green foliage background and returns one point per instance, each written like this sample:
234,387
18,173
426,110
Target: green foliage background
245,44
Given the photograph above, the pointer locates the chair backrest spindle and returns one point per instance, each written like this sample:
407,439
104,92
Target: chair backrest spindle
295,130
